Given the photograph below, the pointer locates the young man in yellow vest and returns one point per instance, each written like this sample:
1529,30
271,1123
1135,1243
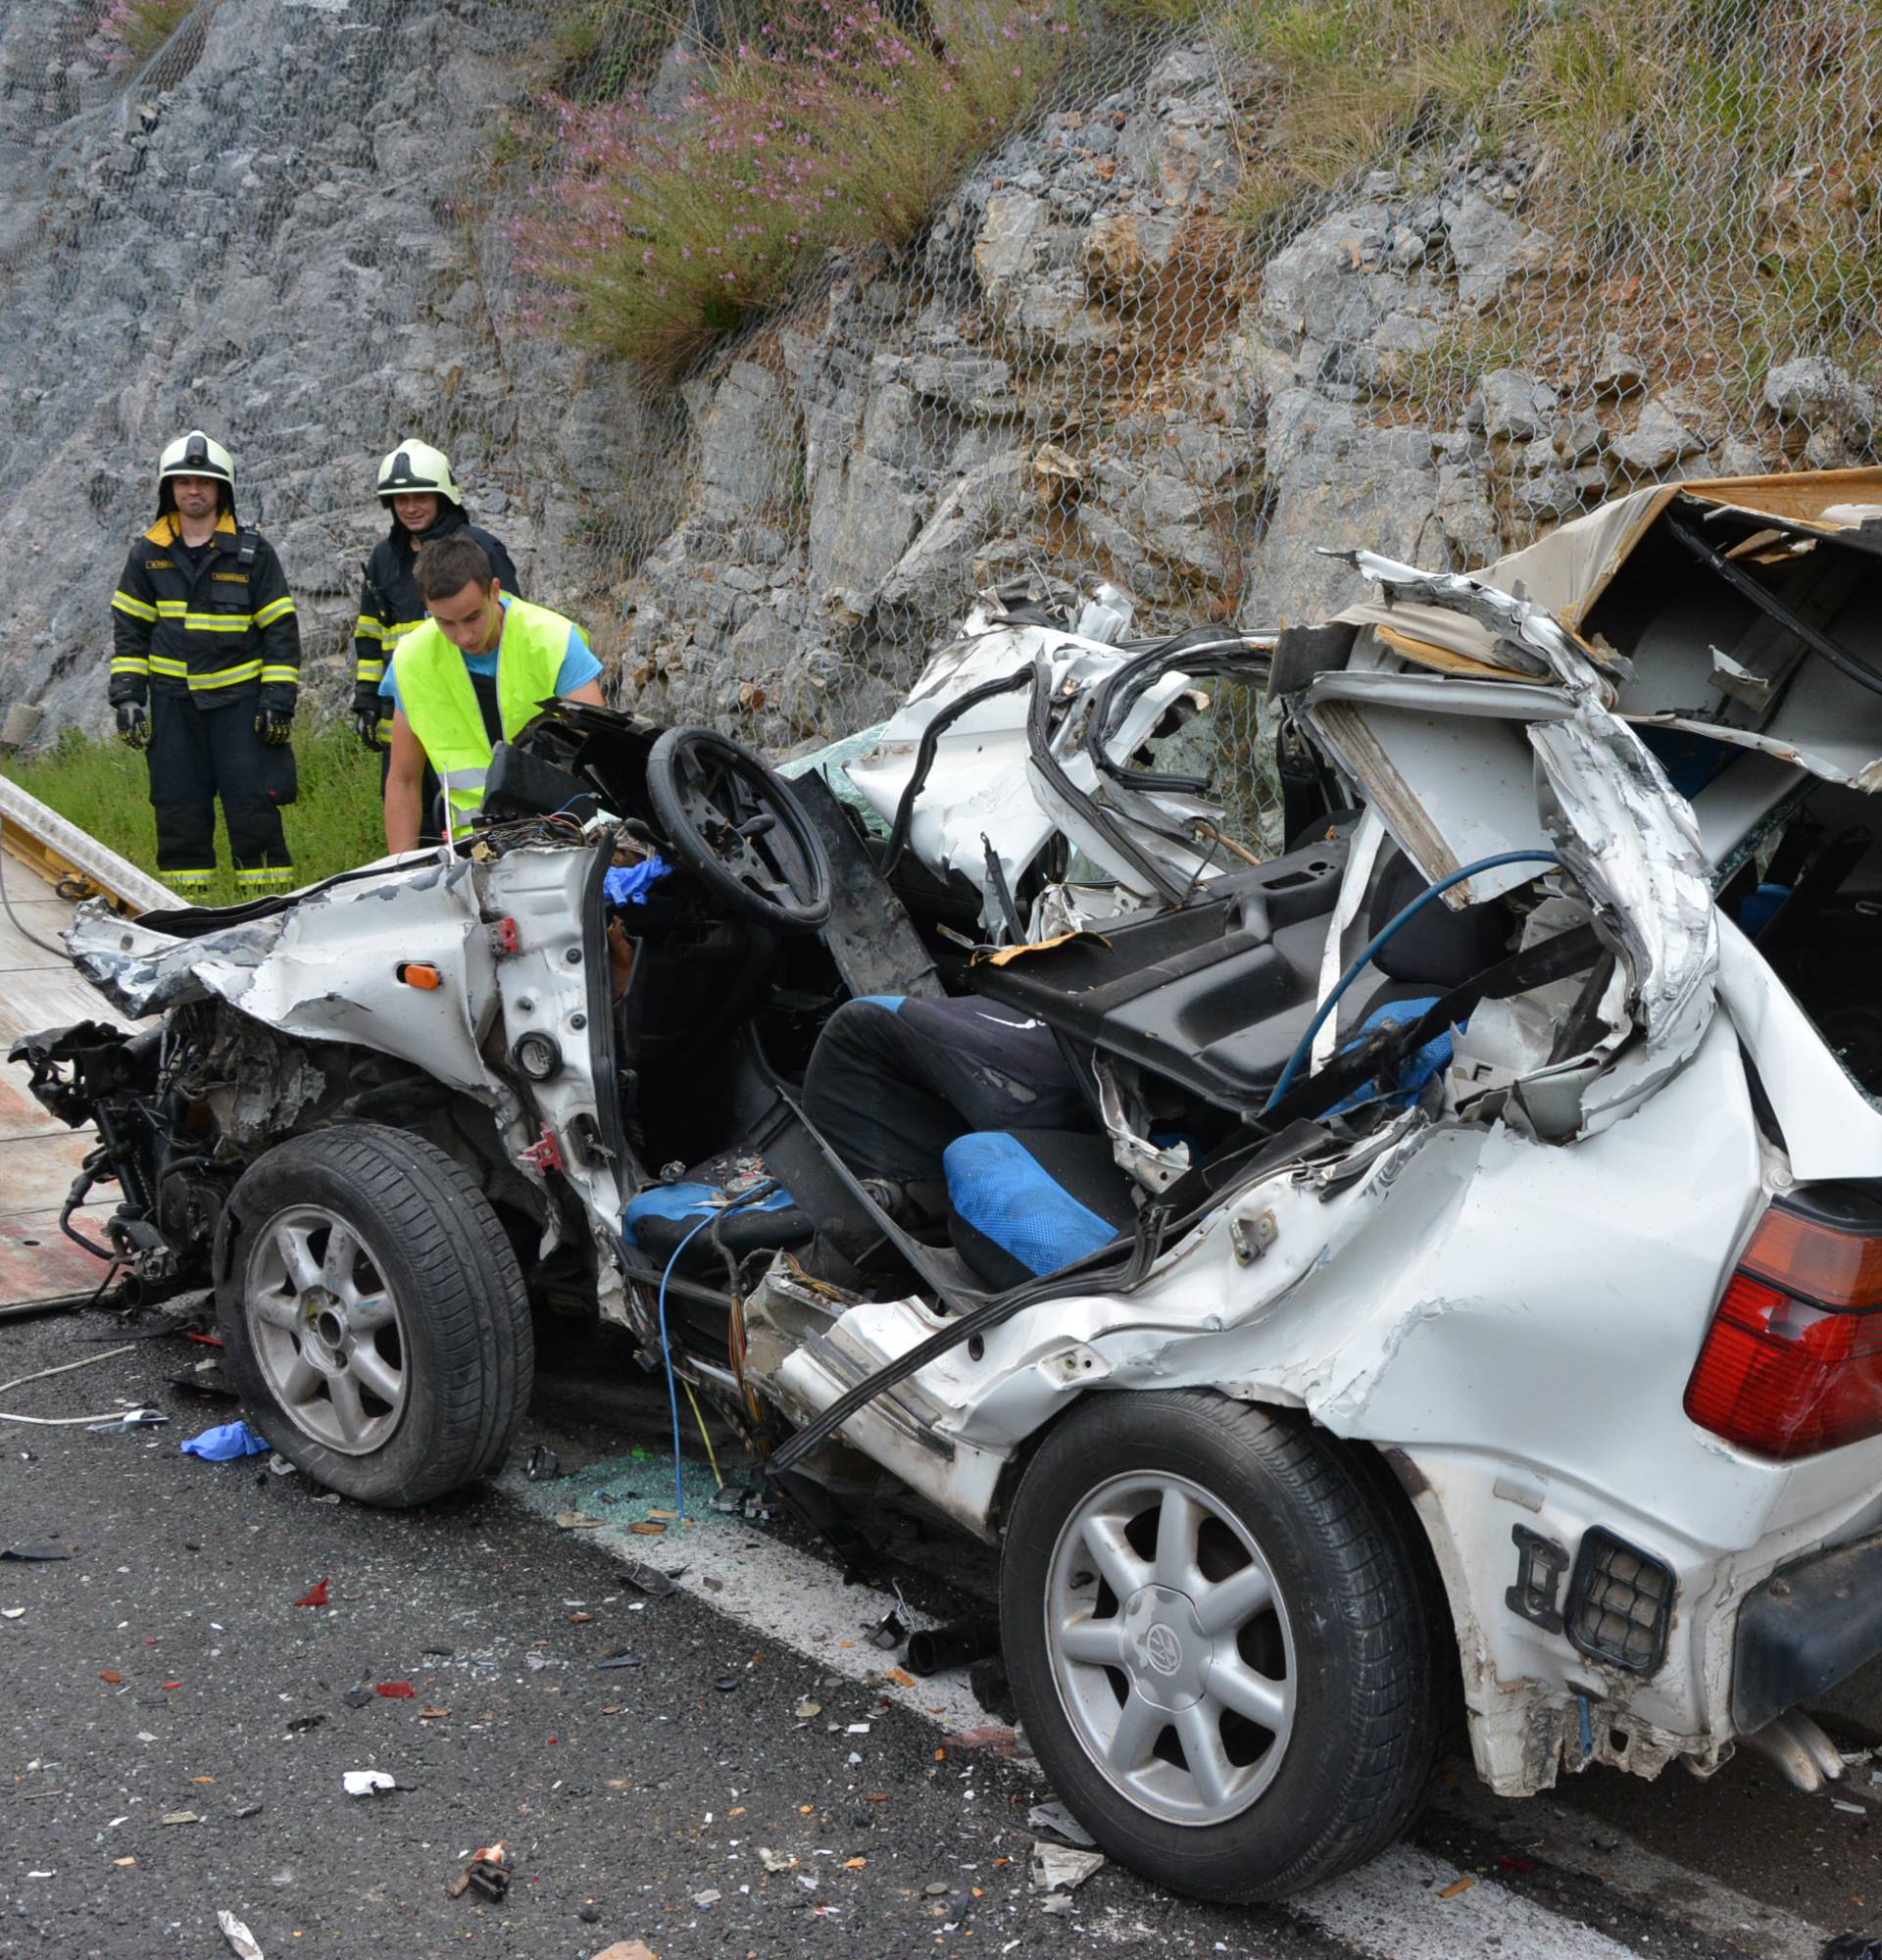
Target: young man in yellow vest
475,674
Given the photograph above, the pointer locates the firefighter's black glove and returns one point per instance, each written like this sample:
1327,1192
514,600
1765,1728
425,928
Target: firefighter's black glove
276,727
134,724
368,712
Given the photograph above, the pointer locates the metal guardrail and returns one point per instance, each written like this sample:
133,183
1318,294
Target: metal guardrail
62,853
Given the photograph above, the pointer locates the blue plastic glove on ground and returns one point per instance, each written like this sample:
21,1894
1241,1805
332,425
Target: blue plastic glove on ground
224,1443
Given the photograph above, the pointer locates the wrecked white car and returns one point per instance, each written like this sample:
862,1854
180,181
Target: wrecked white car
1460,1259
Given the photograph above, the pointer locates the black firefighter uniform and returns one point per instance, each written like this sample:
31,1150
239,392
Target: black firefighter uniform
208,647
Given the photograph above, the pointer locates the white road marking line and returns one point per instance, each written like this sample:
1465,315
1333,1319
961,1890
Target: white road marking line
776,1590
1388,1910
1391,1909
1558,1833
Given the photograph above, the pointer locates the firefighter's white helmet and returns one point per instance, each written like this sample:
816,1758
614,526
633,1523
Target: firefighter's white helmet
197,454
415,470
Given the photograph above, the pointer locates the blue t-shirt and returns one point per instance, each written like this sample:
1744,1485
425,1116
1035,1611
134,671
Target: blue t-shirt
578,665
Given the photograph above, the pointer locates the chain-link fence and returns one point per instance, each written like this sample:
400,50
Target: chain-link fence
1182,295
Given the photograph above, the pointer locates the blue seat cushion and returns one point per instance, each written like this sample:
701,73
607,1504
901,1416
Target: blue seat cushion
659,1218
1021,1202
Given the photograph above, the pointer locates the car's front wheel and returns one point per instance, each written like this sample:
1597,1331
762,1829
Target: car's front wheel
374,1315
1216,1633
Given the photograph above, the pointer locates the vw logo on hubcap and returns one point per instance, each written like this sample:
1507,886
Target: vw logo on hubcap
1162,1649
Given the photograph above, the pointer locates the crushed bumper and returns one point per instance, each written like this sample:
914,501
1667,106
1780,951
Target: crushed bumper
1808,1626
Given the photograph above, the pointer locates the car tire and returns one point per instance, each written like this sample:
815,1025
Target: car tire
374,1315
1259,1708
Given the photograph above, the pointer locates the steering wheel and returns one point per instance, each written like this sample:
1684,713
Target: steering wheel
739,830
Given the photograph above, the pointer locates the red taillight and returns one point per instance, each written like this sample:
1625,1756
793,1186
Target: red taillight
1792,1361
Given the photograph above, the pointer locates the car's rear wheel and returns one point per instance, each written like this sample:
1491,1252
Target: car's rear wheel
1215,1631
374,1315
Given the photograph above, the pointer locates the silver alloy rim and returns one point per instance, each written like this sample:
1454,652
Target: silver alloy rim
326,1329
1170,1647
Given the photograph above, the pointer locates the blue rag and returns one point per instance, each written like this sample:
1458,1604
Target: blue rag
629,884
224,1443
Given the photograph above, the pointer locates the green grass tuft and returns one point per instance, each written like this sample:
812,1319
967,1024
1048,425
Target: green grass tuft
104,788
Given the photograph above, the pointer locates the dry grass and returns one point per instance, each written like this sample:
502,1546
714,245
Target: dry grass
662,235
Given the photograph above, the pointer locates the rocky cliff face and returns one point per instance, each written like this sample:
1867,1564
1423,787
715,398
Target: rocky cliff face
288,229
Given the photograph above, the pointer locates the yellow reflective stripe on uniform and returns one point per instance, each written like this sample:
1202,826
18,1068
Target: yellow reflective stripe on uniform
400,627
122,602
130,664
227,677
219,623
368,629
372,670
189,881
273,610
268,874
172,609
172,669
281,673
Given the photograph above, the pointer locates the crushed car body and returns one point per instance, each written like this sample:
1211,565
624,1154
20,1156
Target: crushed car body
1473,1217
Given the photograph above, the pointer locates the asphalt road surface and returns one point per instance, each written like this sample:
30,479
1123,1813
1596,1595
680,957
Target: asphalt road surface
753,1780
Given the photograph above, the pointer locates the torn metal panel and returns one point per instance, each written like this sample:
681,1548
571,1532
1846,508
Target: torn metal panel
1444,764
1521,632
986,791
1632,845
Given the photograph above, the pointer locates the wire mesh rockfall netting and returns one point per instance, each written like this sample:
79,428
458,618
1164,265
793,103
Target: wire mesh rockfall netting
767,336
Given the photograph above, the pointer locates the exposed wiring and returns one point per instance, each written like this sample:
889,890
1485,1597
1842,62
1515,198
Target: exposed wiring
714,1217
666,1359
1305,1045
712,1456
42,945
65,1368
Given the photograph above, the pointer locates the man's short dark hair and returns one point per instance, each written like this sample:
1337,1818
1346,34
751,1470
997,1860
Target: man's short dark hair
447,566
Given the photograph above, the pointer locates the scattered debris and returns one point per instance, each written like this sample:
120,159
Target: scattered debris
1059,1868
939,1649
622,1660
725,1683
809,1711
1852,1946
574,1521
179,1817
207,1380
299,1724
487,1874
433,1714
775,1861
243,1942
1461,1885
889,1631
279,1466
646,1528
1003,1743
224,1443
1057,1818
544,1465
357,1697
13,1613
36,1549
110,1675
317,1597
624,1949
395,1691
710,1896
649,1579
366,1782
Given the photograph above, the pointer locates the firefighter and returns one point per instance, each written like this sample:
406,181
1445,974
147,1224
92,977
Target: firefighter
471,676
416,485
205,675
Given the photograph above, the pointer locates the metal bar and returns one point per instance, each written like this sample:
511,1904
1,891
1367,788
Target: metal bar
40,836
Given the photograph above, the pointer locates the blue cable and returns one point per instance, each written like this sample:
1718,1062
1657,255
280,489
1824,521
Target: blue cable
712,1217
1305,1047
666,1357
